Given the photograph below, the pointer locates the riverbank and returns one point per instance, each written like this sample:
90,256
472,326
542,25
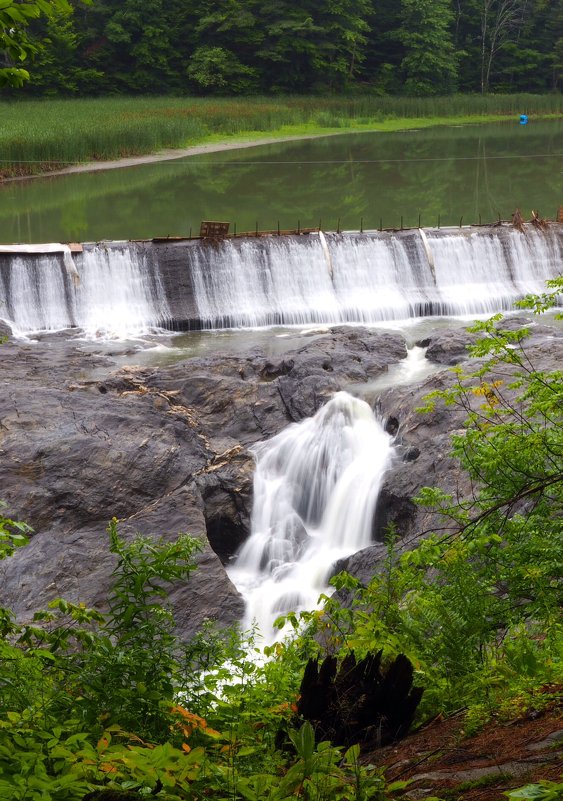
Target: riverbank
253,139
39,137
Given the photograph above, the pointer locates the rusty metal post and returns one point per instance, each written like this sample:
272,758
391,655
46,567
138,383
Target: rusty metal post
401,222
338,226
460,221
381,223
438,220
419,220
298,226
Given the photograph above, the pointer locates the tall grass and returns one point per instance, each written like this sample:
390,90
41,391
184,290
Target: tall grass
39,135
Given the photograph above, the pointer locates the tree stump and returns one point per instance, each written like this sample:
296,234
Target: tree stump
359,702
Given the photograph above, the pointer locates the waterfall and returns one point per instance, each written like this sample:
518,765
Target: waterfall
117,294
315,490
37,298
128,288
373,277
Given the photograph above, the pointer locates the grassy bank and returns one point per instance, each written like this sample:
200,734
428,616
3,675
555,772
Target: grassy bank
41,135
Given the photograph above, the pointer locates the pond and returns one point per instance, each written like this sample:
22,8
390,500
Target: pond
436,176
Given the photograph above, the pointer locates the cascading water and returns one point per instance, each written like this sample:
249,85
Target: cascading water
369,278
128,288
118,294
315,490
114,294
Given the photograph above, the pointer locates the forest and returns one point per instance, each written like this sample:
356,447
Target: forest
384,47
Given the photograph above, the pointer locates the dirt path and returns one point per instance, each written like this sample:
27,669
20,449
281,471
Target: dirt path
170,154
439,760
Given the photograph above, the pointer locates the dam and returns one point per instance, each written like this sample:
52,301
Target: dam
252,282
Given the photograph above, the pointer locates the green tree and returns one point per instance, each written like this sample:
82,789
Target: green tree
430,64
56,61
344,25
501,20
15,44
223,44
487,29
139,37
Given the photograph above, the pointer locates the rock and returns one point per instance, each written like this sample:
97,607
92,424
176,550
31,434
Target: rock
168,450
77,565
448,347
165,450
226,491
5,331
363,565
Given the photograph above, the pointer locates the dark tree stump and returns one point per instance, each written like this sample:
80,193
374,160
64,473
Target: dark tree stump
358,702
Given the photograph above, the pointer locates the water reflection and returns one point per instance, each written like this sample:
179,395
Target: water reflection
444,173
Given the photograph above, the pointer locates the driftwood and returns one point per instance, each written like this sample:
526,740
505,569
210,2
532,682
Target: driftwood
518,220
359,702
538,221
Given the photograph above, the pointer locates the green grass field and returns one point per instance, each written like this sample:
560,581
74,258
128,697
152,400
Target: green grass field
41,135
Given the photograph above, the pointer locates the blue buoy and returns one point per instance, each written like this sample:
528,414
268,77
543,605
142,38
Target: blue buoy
523,119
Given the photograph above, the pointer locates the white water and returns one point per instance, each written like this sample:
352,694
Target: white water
369,278
315,490
116,294
333,278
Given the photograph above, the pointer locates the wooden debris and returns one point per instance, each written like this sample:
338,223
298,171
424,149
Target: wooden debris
538,221
518,220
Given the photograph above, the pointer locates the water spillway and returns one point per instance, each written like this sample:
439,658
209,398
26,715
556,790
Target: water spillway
287,280
370,278
111,291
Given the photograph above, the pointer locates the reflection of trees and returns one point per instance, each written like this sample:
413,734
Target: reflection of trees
432,172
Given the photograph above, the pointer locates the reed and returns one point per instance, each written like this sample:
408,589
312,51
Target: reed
38,135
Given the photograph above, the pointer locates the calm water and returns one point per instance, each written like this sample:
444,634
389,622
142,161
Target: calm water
444,173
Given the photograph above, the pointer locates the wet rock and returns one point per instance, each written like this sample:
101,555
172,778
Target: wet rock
226,491
5,331
363,565
448,347
168,450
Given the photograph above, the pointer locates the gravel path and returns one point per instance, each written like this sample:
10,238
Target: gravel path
170,154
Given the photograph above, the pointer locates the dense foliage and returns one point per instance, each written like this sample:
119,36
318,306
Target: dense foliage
420,47
115,700
15,45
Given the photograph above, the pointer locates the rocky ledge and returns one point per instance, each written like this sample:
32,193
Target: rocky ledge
167,450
